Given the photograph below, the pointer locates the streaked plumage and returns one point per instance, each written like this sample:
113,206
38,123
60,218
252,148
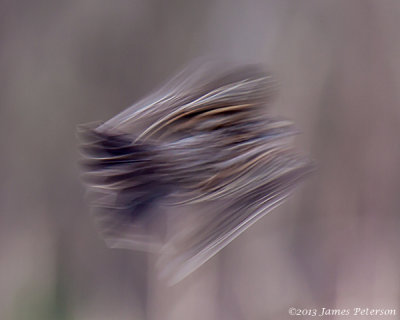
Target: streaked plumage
203,146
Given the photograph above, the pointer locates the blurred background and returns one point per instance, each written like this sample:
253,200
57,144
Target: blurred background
334,244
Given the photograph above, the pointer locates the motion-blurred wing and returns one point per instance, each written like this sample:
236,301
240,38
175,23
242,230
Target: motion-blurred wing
202,141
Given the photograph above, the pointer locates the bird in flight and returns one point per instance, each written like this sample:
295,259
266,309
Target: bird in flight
186,170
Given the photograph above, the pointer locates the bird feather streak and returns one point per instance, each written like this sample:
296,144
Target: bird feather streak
188,169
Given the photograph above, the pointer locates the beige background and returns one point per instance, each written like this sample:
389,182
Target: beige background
333,244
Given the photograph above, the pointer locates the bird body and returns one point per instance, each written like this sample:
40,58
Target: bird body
204,140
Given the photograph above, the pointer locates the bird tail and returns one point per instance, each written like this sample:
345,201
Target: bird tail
123,187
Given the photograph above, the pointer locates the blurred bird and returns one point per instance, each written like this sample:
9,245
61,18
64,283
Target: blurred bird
188,169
